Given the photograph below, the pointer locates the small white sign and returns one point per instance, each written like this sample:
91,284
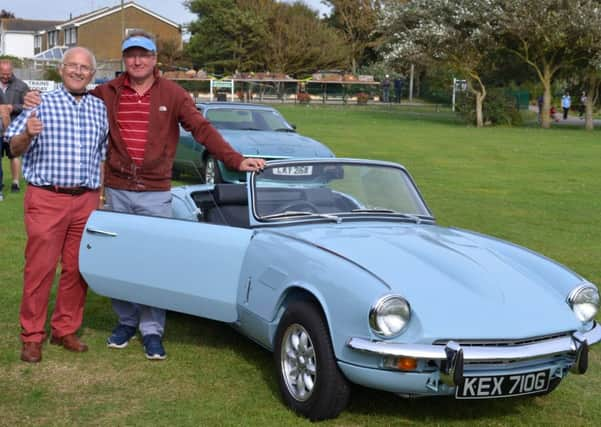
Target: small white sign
41,85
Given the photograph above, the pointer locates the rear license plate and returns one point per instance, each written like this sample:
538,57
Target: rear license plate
496,386
293,170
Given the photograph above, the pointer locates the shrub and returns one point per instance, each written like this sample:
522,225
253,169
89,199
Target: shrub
499,108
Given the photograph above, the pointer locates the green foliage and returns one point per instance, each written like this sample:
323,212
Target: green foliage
499,108
51,73
261,35
17,62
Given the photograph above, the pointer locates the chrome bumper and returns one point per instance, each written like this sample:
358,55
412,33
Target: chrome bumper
453,355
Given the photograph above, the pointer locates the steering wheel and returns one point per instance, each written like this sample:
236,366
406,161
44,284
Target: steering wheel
301,206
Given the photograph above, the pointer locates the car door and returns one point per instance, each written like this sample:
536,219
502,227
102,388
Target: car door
180,265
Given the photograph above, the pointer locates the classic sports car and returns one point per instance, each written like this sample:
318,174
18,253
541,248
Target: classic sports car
253,130
339,268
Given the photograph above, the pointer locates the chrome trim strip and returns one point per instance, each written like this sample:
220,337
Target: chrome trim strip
484,353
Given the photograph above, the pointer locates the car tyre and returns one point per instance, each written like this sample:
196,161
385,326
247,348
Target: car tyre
309,378
211,174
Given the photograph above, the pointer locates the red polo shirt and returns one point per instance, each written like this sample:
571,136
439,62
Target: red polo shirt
132,117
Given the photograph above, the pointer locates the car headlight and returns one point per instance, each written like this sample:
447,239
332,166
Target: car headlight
389,316
584,300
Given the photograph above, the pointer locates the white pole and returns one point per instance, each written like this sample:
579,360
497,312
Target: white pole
454,86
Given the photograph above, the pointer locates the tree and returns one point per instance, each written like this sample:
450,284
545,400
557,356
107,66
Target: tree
6,14
262,35
455,33
299,43
357,20
549,36
228,35
171,55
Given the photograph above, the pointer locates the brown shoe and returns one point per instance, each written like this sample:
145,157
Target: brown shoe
70,342
31,352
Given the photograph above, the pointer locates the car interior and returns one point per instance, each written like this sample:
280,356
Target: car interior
227,204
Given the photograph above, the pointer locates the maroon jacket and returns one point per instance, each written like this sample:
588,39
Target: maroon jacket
170,105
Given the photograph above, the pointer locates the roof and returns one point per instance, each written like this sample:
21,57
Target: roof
26,25
101,13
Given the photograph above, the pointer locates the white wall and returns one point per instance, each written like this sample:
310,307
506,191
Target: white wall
17,44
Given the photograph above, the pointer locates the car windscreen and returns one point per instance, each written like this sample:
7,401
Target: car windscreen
283,190
247,119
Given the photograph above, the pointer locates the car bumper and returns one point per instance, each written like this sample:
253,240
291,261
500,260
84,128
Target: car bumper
453,358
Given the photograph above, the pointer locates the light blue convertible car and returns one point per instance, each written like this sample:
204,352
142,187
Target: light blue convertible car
252,129
339,268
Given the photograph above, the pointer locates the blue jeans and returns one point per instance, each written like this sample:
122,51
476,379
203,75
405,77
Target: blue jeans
150,320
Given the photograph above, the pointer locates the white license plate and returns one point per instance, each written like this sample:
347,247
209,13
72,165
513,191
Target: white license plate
293,170
490,387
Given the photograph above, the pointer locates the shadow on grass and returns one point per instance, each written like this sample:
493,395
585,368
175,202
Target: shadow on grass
193,331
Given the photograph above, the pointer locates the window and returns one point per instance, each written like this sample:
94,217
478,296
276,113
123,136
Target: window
52,38
71,36
37,42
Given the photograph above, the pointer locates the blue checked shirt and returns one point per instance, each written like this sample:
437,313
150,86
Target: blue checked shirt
72,144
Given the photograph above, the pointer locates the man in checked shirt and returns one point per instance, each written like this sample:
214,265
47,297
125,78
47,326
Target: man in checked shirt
63,142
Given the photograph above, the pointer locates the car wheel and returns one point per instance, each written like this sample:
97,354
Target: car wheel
211,173
309,379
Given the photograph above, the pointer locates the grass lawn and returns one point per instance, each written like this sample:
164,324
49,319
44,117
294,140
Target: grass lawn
541,189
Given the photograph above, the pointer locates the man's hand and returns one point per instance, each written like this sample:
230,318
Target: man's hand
34,126
251,165
6,109
32,99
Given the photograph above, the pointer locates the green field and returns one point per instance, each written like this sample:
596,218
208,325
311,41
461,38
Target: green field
541,189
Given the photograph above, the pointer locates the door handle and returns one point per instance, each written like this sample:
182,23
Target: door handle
101,232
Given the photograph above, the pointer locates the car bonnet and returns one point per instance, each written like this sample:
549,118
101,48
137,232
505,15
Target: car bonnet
457,280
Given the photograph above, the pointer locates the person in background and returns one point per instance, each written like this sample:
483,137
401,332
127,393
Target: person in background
145,112
566,103
4,122
63,142
398,90
12,91
385,89
582,107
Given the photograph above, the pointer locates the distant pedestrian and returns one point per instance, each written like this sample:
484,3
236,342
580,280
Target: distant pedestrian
582,107
541,100
12,91
398,90
566,103
385,84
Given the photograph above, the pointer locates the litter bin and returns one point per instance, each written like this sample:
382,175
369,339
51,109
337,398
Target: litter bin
221,96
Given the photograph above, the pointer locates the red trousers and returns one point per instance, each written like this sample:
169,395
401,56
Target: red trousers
54,224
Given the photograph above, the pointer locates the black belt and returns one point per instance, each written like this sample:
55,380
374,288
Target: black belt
73,191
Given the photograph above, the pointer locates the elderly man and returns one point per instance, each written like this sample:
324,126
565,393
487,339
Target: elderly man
63,142
145,111
12,91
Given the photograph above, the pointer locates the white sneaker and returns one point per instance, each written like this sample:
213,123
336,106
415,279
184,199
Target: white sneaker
1,196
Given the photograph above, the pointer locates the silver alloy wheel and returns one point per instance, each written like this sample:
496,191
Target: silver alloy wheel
298,364
210,171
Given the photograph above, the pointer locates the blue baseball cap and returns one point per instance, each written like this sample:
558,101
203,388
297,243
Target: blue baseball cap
139,41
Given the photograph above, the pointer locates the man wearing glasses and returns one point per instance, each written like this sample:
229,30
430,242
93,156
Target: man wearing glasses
145,112
63,142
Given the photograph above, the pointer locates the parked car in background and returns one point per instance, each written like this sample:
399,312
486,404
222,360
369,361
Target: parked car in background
339,268
253,130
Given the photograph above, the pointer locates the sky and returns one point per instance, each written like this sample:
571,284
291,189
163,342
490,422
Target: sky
62,9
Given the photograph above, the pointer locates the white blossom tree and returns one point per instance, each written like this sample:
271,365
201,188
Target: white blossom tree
456,33
550,36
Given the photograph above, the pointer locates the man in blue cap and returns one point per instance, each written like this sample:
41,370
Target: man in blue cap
144,112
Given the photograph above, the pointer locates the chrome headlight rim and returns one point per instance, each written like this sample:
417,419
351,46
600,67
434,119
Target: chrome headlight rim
577,293
377,309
